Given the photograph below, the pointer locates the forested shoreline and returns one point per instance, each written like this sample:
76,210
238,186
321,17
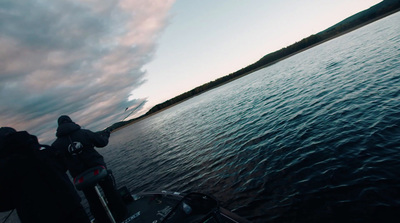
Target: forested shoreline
360,19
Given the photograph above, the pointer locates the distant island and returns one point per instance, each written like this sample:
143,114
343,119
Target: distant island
374,13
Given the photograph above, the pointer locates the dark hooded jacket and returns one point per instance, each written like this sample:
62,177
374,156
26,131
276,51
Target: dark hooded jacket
32,182
70,133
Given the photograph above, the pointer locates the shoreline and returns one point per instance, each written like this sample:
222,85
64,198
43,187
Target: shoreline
262,67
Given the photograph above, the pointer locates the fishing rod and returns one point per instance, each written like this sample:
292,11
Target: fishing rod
106,129
133,110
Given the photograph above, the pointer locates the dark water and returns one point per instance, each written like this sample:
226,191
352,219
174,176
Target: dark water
314,138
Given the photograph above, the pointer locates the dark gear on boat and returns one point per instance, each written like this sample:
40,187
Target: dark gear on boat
78,147
34,183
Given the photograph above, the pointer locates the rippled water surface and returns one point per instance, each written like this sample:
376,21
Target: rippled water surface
313,138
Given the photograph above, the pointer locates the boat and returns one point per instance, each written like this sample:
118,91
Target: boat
171,207
162,206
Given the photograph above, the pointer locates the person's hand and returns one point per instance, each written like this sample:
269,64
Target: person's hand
106,132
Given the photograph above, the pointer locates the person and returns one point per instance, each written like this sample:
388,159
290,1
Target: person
33,183
78,146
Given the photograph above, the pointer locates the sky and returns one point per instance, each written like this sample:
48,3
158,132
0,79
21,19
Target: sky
100,60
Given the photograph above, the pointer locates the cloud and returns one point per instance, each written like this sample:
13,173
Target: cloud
75,57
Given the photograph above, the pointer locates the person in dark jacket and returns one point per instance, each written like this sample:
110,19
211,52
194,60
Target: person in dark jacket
78,146
33,183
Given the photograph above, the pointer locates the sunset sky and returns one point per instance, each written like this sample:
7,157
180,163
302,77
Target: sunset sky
92,59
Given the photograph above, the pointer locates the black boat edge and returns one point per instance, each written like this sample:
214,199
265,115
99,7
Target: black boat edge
170,207
159,207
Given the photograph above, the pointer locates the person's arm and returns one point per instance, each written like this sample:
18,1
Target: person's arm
99,139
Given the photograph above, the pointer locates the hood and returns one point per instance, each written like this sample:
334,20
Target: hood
67,128
64,119
21,143
4,132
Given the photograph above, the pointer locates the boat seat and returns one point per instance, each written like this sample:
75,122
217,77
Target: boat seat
90,177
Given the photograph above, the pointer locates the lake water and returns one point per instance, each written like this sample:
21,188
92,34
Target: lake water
313,138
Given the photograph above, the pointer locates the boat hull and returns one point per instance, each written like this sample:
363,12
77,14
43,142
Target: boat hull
168,207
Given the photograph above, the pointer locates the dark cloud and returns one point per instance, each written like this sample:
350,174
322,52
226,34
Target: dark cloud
81,58
53,24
